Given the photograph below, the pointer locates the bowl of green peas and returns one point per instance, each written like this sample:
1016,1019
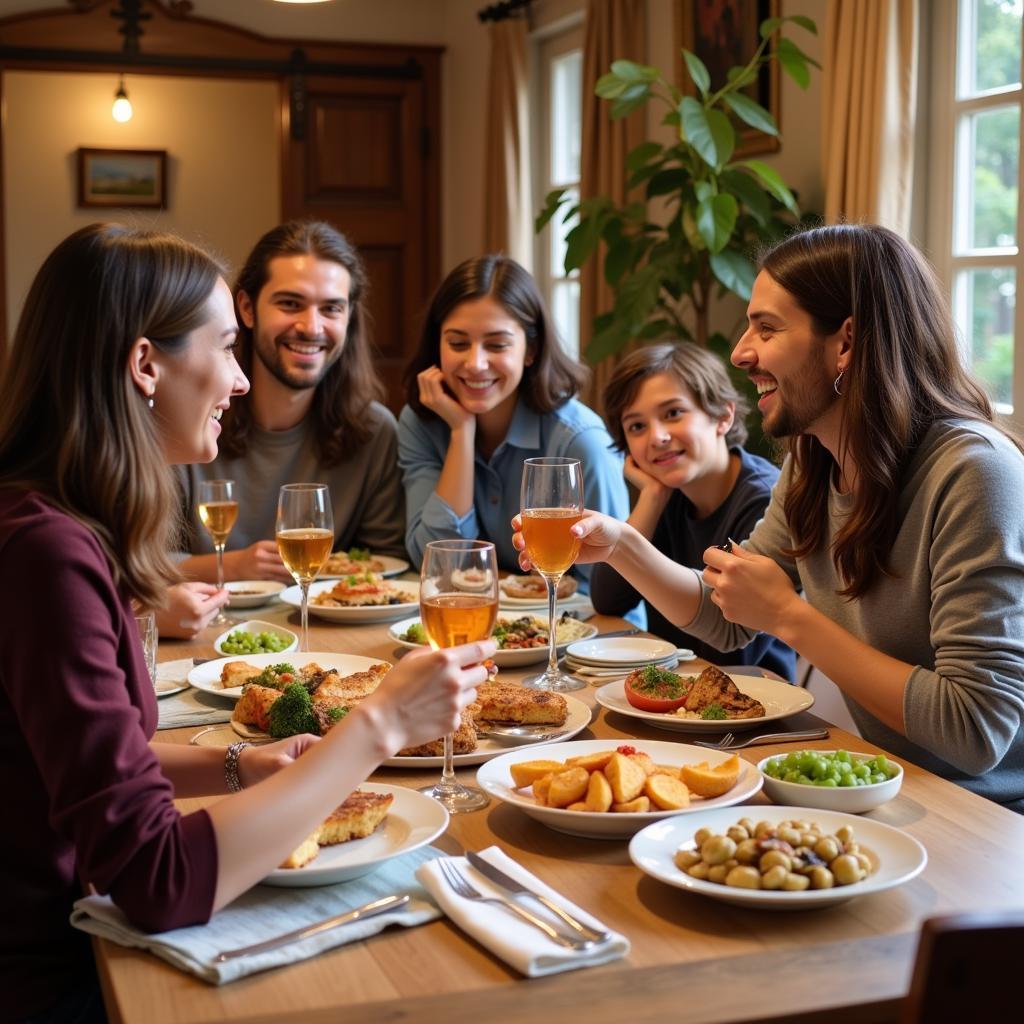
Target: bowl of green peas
256,637
833,780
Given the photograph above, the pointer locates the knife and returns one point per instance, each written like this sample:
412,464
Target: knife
499,877
381,906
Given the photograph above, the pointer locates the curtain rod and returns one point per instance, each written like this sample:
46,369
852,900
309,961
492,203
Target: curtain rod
501,11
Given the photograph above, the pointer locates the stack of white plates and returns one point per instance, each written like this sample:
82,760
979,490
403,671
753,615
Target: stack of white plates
620,655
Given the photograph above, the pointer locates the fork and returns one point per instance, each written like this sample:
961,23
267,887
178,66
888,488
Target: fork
464,888
729,742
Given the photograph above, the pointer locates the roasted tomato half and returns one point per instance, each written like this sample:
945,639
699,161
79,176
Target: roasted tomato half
655,690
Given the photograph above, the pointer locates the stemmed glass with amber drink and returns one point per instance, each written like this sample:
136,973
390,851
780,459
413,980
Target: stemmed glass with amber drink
551,504
458,605
218,510
305,536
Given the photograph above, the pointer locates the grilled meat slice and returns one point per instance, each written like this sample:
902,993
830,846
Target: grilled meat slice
713,686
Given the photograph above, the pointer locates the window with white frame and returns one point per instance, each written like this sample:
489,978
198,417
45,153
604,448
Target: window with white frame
982,256
559,104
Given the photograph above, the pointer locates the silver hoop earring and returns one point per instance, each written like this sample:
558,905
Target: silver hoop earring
835,383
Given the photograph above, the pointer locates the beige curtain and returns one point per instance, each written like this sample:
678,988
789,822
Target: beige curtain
508,215
614,29
870,74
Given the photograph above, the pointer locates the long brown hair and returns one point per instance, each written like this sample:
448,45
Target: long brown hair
73,426
341,401
906,373
551,379
698,370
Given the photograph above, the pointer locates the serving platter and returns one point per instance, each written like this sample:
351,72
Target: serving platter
362,614
495,778
503,659
412,821
206,677
899,857
780,700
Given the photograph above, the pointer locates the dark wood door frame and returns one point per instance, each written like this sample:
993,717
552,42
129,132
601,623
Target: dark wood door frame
84,37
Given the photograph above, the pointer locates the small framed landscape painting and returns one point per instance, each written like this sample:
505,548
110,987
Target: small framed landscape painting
122,177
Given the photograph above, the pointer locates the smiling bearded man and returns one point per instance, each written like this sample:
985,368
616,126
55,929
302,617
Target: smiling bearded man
313,414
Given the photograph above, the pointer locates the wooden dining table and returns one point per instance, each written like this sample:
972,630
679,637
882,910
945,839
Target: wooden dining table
693,959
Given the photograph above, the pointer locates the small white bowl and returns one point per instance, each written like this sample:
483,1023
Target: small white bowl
252,593
256,626
848,799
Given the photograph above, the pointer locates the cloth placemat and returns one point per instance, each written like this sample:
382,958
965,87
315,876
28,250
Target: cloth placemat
190,707
507,936
265,912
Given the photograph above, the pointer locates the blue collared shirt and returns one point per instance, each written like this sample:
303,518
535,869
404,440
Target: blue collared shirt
572,431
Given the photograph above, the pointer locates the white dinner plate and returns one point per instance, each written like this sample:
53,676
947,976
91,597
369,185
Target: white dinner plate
206,677
487,748
257,626
413,820
172,677
620,650
392,567
780,700
366,613
899,857
503,659
573,601
252,593
495,777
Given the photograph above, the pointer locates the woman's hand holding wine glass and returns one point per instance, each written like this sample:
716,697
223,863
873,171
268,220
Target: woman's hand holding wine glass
458,605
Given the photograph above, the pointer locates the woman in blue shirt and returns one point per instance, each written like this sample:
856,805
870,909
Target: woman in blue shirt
490,387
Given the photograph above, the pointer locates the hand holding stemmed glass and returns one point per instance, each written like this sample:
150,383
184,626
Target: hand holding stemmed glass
305,536
552,503
458,605
218,510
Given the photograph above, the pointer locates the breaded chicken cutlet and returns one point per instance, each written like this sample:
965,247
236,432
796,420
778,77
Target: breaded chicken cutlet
501,702
356,818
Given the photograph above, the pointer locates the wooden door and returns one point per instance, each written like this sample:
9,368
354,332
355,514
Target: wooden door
366,161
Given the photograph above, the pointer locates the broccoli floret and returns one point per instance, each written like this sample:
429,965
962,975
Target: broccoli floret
272,676
337,714
292,713
714,712
359,554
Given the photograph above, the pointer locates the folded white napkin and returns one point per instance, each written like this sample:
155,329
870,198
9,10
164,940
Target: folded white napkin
518,943
265,912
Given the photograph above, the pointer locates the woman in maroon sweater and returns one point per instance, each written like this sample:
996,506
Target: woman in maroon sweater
121,365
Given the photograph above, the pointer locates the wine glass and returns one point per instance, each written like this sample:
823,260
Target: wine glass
552,503
458,605
218,510
305,536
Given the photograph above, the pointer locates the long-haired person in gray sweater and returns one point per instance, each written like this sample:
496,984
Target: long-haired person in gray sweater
899,512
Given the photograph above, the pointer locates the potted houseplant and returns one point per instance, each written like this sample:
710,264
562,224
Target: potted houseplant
665,272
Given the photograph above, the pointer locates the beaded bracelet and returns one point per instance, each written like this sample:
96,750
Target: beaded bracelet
231,767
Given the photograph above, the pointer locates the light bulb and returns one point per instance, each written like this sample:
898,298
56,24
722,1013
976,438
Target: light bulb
122,109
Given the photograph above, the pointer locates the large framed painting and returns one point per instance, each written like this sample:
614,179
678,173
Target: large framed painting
724,34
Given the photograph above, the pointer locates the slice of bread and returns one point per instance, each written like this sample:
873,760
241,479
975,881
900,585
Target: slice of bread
356,818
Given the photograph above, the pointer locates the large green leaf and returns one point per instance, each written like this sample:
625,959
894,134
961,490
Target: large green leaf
708,131
749,193
629,71
667,181
611,337
752,113
581,242
698,71
793,62
635,95
770,25
610,86
804,22
735,271
618,260
741,77
769,177
552,201
638,295
641,155
716,217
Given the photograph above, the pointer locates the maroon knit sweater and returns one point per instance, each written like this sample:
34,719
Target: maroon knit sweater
84,801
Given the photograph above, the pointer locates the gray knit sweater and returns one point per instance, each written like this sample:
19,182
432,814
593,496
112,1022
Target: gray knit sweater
953,609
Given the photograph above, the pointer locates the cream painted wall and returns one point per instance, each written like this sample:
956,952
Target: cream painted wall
216,132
